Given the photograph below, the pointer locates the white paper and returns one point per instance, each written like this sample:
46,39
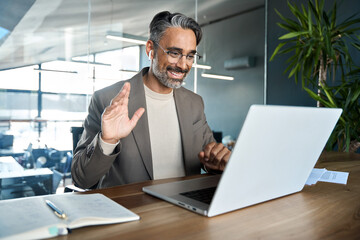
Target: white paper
315,175
323,175
335,177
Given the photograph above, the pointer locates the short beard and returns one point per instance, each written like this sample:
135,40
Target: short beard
164,78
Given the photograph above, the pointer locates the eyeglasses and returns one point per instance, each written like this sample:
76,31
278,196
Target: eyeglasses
175,56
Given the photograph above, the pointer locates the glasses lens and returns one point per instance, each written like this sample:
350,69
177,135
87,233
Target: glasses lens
190,58
173,57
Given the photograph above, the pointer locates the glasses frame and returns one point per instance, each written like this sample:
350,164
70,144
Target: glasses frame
168,52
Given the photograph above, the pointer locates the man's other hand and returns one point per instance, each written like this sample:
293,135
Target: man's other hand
215,156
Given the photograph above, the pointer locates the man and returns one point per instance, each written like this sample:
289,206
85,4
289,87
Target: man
168,135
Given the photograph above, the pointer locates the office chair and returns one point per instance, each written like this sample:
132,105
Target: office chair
76,135
40,158
218,136
60,165
57,176
65,166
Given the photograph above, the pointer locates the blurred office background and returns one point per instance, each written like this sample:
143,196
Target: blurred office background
55,54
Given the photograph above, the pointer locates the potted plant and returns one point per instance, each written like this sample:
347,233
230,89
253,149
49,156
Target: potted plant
319,48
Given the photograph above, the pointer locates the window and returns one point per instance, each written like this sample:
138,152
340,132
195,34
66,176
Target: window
24,78
57,65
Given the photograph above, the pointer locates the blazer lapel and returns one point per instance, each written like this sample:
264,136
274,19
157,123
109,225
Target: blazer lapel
141,131
186,127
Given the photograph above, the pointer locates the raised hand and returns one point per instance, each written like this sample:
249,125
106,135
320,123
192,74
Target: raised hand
115,121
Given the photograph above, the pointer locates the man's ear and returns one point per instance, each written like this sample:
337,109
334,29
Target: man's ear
149,49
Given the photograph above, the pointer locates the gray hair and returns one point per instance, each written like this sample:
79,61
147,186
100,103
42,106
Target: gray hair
164,20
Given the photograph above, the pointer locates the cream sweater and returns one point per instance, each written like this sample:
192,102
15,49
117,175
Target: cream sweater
165,135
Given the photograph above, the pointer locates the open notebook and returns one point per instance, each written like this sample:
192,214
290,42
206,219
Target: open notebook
31,218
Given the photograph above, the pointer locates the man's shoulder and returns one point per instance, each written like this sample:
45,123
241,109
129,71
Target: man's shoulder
188,93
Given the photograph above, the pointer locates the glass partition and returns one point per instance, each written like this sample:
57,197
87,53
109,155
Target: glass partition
55,54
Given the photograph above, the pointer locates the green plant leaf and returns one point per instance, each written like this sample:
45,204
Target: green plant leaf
333,15
309,22
294,70
290,22
277,50
305,12
347,23
292,35
296,12
314,10
356,95
328,95
309,51
321,6
289,49
287,27
351,31
326,19
318,98
347,137
317,40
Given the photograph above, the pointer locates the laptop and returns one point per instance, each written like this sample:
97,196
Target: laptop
274,155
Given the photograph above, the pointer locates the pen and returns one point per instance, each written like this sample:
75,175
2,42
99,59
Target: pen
58,212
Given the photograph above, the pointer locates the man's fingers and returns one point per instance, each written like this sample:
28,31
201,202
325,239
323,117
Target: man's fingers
220,155
207,150
201,156
215,151
123,94
137,115
121,99
125,99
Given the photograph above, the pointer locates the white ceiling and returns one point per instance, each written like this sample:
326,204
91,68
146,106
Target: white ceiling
43,30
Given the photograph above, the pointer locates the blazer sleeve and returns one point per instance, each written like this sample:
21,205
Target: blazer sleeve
89,164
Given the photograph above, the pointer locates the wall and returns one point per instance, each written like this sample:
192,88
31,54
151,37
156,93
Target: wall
280,89
227,102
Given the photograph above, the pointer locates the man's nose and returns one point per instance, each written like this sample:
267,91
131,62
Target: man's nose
182,63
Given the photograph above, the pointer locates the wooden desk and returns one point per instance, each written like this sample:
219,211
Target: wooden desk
321,211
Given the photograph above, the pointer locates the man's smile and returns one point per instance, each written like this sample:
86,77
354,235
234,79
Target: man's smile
176,73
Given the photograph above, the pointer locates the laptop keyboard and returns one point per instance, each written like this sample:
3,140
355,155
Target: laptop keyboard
203,195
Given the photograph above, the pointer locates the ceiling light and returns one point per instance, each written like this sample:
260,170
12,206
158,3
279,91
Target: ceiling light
126,38
201,66
54,70
128,71
86,62
217,76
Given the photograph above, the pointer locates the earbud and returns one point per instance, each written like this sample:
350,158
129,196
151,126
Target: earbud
150,57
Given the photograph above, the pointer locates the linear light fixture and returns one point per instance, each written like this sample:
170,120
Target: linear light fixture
195,65
86,62
54,70
124,37
128,71
217,76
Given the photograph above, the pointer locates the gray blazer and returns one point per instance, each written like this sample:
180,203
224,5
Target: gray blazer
131,160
